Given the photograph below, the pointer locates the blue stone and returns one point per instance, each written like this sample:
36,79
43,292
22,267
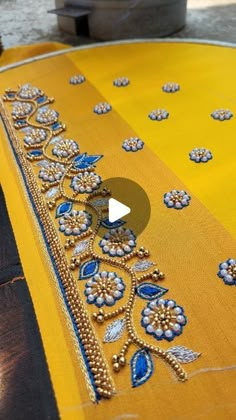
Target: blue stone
89,269
150,291
141,367
42,99
35,153
63,208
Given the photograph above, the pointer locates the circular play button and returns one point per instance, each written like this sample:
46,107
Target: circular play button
128,202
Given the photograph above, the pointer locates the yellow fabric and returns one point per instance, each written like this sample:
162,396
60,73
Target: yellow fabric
188,245
205,74
14,54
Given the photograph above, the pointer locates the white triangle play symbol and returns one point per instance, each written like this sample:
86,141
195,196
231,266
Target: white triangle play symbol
116,210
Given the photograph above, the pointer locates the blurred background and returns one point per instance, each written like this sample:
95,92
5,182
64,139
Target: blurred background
77,22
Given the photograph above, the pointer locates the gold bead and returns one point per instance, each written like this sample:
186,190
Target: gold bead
100,319
161,275
122,361
114,358
116,367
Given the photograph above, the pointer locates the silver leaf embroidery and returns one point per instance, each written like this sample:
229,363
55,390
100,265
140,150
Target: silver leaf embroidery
100,202
183,354
55,140
114,331
43,163
52,192
81,247
143,265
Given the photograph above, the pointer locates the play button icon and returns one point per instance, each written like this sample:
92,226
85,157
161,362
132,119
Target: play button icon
127,205
116,210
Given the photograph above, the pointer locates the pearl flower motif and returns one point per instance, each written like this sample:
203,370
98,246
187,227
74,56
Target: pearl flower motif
75,222
177,199
159,115
85,182
29,92
105,288
21,109
77,79
121,82
200,155
133,144
52,172
222,114
34,135
118,242
46,115
102,108
65,148
170,87
163,319
227,271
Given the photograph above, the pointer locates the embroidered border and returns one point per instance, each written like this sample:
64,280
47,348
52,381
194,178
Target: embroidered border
66,169
65,279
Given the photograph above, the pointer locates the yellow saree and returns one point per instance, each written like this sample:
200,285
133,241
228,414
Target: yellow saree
168,350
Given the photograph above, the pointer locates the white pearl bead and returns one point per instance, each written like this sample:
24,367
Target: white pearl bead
159,332
147,311
224,265
109,299
146,320
150,329
180,319
99,300
168,333
178,310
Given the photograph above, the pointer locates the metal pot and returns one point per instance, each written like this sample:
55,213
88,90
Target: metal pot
120,19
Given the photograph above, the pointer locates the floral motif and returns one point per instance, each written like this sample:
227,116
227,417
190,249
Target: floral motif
46,115
133,144
170,87
65,148
34,135
118,242
228,271
177,199
121,82
222,114
77,79
75,222
163,319
21,109
159,114
52,172
29,92
85,182
105,288
102,108
200,155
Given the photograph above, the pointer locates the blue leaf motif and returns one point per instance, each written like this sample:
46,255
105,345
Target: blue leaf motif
63,208
84,161
141,367
109,225
89,269
35,153
150,291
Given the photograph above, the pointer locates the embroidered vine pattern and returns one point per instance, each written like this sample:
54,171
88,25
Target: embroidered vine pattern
67,175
